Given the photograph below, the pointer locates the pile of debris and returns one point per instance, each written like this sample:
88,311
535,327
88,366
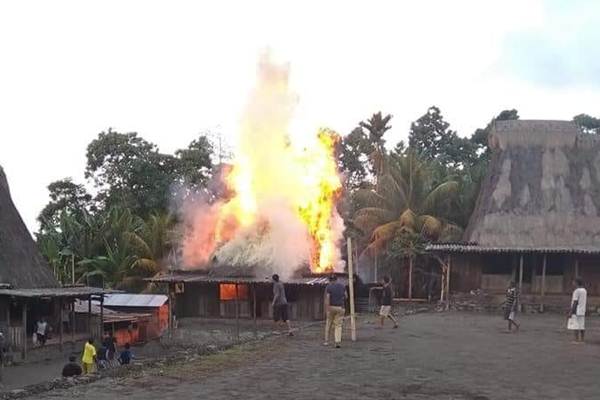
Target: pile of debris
475,300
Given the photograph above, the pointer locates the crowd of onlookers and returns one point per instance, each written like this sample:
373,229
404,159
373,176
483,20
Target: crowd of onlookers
103,357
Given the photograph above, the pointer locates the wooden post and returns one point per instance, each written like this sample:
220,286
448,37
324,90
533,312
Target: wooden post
448,282
254,309
237,313
101,315
170,299
410,271
24,334
543,292
351,289
61,323
375,274
520,280
73,322
89,316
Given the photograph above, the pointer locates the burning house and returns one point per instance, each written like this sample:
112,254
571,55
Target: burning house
279,213
537,218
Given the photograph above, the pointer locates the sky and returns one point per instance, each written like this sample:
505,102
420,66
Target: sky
171,70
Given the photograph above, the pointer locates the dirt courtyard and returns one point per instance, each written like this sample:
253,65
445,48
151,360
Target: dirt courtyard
439,356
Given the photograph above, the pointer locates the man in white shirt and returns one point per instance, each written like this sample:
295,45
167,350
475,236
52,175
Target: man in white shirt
576,320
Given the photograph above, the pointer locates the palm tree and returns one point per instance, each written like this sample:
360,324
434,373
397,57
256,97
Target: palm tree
153,243
405,202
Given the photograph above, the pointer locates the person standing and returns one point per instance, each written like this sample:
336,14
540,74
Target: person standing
41,331
126,355
386,302
335,298
89,356
280,304
510,306
111,347
576,321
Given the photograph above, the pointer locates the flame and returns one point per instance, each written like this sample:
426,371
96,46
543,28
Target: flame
270,167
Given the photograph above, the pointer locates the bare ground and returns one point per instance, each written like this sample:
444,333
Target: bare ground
432,356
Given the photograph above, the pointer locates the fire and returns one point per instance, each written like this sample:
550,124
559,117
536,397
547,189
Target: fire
275,180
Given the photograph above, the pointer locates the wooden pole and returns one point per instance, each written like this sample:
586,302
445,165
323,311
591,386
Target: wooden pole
410,273
61,323
89,316
448,282
543,283
520,280
254,309
237,313
170,299
375,275
72,324
101,315
351,289
24,334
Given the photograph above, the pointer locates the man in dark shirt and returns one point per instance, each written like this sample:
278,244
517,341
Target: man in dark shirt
110,343
386,302
71,368
126,355
280,304
335,299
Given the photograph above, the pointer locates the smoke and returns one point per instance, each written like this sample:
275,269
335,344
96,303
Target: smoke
279,212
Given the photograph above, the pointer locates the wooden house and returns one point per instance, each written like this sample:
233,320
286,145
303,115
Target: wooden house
537,217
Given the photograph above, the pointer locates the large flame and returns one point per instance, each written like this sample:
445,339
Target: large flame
283,191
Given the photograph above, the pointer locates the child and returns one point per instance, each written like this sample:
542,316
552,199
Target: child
126,355
510,306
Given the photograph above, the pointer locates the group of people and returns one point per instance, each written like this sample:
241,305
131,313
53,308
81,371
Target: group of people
101,358
335,303
575,314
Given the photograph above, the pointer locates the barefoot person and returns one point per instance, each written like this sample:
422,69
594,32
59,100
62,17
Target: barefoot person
386,302
510,306
280,304
335,299
576,321
89,357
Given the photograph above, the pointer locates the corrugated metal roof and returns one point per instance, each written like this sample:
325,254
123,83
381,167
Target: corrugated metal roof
134,300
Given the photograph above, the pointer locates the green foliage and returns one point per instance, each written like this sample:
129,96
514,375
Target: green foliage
353,157
588,124
66,198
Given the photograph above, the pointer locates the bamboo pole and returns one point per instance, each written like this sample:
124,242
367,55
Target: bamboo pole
543,283
448,282
351,289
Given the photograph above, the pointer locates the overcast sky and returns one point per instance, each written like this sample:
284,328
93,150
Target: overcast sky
172,69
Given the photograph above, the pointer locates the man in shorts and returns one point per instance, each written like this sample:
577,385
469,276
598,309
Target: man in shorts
386,302
576,321
280,304
510,306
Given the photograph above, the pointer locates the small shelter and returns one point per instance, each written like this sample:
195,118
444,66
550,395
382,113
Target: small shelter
28,288
536,220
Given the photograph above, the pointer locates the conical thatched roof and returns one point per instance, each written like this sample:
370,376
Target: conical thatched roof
21,264
542,189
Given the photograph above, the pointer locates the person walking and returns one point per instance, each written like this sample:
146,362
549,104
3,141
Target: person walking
510,306
335,298
386,303
110,342
89,356
280,304
576,321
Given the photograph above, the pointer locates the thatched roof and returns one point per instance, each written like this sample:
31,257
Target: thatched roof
542,189
21,264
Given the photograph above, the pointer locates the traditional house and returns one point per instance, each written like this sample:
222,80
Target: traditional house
537,218
28,288
230,292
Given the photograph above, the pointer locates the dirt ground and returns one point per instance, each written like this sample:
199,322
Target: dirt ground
432,356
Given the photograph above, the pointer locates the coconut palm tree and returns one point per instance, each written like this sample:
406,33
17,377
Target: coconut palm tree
405,201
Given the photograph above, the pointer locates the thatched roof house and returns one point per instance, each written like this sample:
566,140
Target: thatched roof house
21,264
537,217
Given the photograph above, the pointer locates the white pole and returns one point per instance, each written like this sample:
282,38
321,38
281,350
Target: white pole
351,287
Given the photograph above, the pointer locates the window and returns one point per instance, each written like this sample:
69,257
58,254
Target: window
227,291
